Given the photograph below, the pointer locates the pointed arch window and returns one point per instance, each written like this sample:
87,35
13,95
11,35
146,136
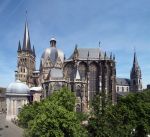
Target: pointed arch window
69,71
83,70
93,79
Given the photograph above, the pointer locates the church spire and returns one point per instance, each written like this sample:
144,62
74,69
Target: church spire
135,75
19,46
26,39
135,62
33,51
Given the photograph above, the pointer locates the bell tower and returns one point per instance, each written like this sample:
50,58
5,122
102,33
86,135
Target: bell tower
26,59
135,76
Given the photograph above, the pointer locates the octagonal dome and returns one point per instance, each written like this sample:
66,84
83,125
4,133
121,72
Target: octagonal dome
52,53
17,87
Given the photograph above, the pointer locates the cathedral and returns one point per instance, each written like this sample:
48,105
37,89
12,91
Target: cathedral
87,71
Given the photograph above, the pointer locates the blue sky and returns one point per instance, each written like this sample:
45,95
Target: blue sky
120,25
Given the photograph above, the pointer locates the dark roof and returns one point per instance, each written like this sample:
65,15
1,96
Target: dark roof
90,53
123,81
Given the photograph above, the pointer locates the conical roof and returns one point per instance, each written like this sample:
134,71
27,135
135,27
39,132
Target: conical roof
135,62
135,71
26,39
19,46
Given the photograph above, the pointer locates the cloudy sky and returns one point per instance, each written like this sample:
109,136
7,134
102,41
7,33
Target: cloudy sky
120,25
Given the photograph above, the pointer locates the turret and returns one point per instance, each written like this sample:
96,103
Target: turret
53,42
19,47
135,76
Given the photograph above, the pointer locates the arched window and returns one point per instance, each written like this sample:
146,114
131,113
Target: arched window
78,91
83,70
93,79
69,71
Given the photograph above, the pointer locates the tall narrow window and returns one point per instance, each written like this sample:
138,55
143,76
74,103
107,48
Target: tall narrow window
93,79
83,70
69,71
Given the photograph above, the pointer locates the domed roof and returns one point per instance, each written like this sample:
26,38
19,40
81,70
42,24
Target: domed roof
17,87
52,53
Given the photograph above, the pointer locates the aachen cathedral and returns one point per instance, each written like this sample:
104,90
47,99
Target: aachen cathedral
86,72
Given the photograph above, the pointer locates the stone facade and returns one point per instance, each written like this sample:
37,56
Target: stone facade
17,95
26,60
14,105
89,71
86,72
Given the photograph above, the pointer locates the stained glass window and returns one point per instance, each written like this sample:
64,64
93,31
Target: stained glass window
93,79
83,70
69,71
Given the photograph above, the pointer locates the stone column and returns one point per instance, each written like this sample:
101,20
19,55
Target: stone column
11,107
15,107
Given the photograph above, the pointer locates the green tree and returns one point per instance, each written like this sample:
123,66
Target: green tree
55,121
55,117
130,117
64,98
97,126
27,113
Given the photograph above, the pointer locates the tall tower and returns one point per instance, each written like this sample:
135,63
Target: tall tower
26,59
135,76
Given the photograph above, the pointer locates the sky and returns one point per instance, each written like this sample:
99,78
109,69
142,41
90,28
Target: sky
120,26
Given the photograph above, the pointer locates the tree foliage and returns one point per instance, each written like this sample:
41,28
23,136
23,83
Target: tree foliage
53,117
27,113
129,117
97,122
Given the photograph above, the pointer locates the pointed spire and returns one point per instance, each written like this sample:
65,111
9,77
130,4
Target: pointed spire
64,57
76,46
26,39
105,55
19,46
76,49
33,51
99,54
76,54
88,54
111,56
135,62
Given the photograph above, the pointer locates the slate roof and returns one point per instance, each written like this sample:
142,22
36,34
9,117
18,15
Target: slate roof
123,81
91,53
